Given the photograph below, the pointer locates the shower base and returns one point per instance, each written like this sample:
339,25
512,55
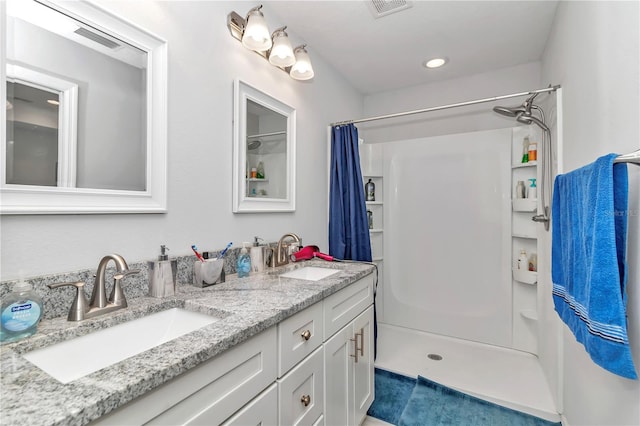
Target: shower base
503,376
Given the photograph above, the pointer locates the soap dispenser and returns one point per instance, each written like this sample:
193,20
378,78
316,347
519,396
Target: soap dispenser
162,275
243,266
21,311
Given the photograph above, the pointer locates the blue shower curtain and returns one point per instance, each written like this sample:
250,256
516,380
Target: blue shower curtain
348,225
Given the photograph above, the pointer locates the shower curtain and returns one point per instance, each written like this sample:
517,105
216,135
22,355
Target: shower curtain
348,225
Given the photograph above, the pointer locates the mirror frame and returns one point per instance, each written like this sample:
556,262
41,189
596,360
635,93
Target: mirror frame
25,199
241,203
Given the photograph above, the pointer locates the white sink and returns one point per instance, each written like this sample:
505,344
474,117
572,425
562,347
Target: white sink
310,273
75,358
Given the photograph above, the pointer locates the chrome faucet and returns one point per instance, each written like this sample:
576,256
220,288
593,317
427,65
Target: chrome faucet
99,304
282,256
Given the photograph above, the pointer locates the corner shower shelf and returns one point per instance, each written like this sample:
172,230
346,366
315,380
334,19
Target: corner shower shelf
525,277
373,203
525,204
528,237
375,231
529,314
257,180
529,164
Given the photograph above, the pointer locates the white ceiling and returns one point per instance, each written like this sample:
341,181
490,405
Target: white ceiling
387,53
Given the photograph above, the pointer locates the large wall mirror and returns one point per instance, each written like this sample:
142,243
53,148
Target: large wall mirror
263,152
84,128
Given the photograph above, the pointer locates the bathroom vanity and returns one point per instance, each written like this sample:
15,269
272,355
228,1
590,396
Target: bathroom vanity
281,351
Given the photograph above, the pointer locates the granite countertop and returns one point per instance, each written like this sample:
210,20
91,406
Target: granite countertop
246,307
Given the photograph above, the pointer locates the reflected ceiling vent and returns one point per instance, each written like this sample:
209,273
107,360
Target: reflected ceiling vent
106,42
381,8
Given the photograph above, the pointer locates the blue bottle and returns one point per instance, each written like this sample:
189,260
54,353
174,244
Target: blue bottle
243,265
21,311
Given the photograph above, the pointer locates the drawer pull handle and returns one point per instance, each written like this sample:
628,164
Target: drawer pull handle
361,341
355,350
306,335
306,400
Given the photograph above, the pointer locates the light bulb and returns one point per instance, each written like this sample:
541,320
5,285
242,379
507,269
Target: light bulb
302,69
256,35
281,53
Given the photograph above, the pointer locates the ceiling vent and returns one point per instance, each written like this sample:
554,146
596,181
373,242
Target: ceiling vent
381,8
106,42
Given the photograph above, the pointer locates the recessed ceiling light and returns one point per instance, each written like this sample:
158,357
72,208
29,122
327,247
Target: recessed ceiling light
53,102
435,62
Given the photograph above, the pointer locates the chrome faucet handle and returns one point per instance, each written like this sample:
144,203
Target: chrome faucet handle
117,295
80,305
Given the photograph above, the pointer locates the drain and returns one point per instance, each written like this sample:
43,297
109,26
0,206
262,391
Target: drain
434,357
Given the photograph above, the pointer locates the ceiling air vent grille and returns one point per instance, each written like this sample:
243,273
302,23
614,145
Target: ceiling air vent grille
381,8
108,43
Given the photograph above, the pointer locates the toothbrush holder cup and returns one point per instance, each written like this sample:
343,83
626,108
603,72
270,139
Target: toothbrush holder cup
208,272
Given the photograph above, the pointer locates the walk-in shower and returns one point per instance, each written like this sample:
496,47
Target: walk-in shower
525,114
448,236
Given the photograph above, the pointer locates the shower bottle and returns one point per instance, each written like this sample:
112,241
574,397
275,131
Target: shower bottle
370,191
525,149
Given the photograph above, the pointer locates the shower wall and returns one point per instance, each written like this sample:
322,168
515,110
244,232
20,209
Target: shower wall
447,236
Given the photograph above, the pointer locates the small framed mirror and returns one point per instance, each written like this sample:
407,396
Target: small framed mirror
84,127
263,152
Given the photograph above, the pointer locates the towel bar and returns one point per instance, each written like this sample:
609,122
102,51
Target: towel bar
633,158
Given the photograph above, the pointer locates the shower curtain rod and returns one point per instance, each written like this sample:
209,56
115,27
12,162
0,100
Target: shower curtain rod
437,108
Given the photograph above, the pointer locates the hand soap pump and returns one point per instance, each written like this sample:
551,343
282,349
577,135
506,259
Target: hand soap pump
21,312
162,275
243,265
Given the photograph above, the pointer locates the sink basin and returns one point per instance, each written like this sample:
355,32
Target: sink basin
75,358
310,273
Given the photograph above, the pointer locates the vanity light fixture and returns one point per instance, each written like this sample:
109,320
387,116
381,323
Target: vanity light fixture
252,31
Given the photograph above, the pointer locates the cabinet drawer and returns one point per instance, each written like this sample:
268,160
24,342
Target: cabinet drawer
301,392
298,336
263,410
209,393
342,307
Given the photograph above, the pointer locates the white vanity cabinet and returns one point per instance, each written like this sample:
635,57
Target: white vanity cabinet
348,352
282,376
350,372
209,393
263,410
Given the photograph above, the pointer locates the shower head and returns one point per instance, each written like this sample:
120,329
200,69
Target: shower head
509,112
528,119
525,108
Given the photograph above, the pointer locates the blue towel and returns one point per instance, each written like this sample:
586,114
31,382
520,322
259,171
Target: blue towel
588,264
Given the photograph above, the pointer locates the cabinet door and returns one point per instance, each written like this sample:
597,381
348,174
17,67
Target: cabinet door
338,366
301,392
262,411
363,369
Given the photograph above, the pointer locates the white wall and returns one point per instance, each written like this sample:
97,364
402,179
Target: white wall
593,51
472,118
203,61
